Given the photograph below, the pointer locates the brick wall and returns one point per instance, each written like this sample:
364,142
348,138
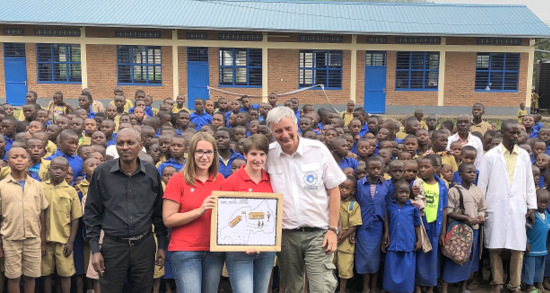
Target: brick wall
393,97
460,81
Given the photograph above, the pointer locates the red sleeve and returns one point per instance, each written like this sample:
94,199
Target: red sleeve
174,188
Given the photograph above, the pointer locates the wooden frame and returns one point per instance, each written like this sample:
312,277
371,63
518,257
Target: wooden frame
231,211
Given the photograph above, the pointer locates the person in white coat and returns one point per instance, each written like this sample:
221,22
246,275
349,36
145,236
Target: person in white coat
506,179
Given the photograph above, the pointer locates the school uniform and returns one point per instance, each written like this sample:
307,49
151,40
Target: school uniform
372,199
64,208
348,163
176,110
225,166
474,207
170,162
38,171
350,215
127,105
51,148
533,261
21,205
74,161
400,255
427,264
200,119
112,141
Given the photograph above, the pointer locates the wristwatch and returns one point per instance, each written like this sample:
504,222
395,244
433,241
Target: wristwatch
334,229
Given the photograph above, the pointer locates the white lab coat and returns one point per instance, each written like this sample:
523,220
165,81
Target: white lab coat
506,205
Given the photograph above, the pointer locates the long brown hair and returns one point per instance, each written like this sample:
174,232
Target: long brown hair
188,170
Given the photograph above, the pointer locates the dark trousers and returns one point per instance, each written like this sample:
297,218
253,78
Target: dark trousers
132,263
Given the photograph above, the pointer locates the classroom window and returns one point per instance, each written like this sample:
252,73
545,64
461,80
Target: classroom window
241,67
320,67
497,71
417,71
139,65
59,63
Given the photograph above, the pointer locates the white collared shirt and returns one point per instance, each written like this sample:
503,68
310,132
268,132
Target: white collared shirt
473,141
304,178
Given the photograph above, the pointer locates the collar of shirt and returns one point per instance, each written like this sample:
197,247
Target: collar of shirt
63,184
407,203
244,176
515,150
300,150
462,141
59,153
11,179
367,181
116,167
210,179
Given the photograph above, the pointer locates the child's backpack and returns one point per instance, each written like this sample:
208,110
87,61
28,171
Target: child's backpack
459,240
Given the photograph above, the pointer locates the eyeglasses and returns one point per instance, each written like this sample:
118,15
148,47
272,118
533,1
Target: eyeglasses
201,153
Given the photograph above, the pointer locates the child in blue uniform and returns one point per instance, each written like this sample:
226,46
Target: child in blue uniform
435,221
401,240
533,260
372,195
473,214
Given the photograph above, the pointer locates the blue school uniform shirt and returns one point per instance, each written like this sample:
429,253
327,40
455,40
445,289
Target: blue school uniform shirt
8,145
402,221
33,172
247,110
348,162
148,111
458,180
364,130
541,179
112,141
91,114
171,162
537,127
373,208
200,119
225,170
536,237
74,161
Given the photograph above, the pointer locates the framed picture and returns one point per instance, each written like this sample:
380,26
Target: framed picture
246,220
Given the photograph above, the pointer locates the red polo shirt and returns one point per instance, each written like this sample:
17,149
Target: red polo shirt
240,181
193,236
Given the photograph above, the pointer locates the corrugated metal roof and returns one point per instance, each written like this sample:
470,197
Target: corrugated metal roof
283,16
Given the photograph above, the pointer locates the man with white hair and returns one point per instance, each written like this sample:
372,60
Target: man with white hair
305,172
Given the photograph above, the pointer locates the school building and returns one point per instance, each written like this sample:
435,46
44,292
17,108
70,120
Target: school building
390,58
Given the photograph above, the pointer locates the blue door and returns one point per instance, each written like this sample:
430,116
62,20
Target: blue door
197,75
375,82
15,72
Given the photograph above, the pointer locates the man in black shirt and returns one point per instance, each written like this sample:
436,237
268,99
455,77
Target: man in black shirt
125,200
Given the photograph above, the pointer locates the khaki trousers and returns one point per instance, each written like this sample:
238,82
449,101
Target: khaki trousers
306,248
516,262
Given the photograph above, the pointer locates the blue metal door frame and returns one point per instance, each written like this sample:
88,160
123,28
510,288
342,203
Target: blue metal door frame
198,76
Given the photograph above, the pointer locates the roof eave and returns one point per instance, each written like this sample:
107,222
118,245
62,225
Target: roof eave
267,30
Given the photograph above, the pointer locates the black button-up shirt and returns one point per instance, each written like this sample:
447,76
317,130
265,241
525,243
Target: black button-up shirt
124,205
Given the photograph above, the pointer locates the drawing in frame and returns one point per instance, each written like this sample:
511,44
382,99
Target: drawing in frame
242,221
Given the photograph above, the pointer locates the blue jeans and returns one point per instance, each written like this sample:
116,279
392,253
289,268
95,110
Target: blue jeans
249,273
197,271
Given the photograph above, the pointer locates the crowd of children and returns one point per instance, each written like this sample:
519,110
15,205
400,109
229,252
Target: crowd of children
405,181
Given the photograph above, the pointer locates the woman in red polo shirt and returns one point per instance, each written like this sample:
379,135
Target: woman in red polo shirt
250,272
187,209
